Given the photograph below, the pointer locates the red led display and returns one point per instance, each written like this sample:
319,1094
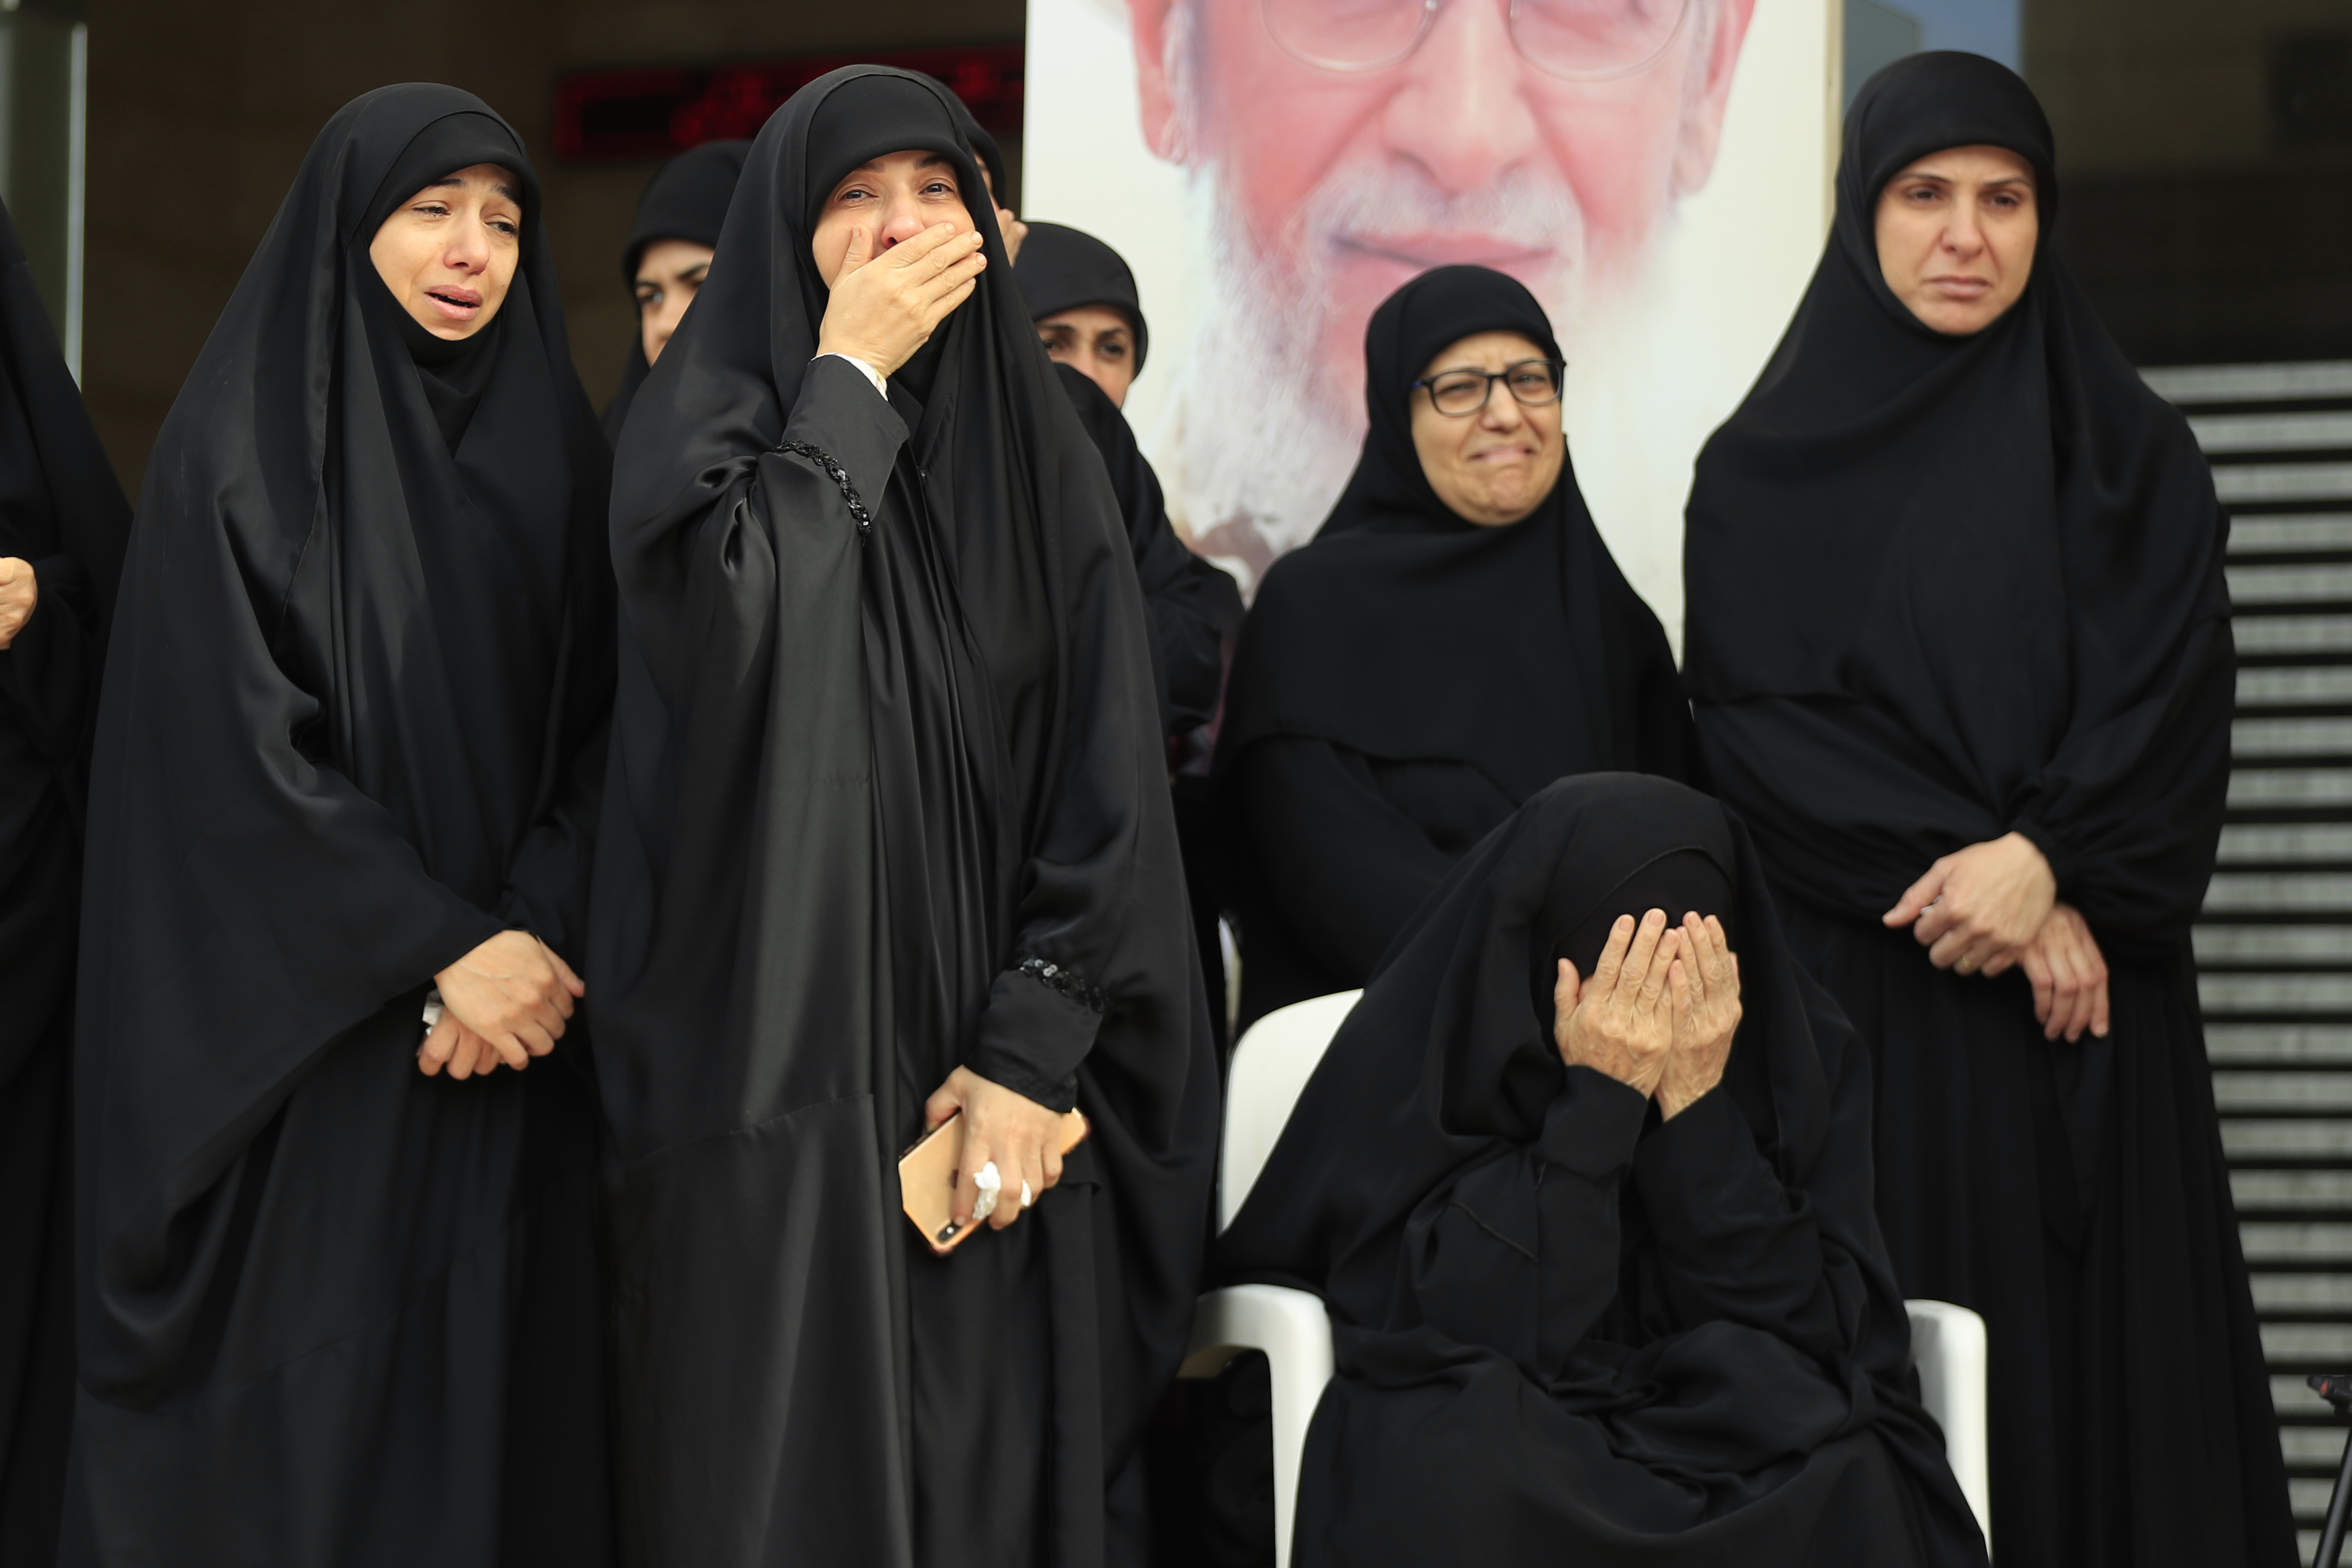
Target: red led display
653,114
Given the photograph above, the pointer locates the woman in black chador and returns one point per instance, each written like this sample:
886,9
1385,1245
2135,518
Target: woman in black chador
887,837
62,524
1589,1201
1457,637
1959,644
669,256
339,1290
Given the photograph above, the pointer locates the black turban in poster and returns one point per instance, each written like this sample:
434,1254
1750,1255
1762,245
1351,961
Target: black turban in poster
62,511
685,199
333,1311
1408,679
1943,588
1569,1331
887,798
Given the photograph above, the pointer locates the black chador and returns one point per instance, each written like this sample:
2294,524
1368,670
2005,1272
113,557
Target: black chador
887,798
1406,680
1569,1331
1945,588
61,513
332,1310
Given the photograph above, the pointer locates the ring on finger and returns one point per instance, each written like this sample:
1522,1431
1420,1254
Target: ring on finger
990,1183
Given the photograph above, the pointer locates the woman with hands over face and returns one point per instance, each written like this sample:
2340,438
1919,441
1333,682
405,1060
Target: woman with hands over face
1960,655
341,1298
887,849
1587,1194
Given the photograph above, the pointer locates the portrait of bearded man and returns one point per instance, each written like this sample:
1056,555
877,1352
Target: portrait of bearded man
1333,149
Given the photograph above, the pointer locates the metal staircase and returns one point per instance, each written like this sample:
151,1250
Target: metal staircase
2274,942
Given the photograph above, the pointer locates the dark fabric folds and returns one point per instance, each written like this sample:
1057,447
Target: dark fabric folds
1942,589
61,512
1194,608
1567,1331
685,199
332,1310
1406,680
885,733
1063,267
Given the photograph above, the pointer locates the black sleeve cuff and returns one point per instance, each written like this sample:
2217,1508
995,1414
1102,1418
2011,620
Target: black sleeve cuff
1691,1164
2062,864
841,415
1592,1128
1034,1034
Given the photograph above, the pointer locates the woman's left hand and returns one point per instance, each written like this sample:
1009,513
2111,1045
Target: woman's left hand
1021,1137
1704,986
2069,976
20,590
1979,907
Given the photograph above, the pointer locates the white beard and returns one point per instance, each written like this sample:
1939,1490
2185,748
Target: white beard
1260,438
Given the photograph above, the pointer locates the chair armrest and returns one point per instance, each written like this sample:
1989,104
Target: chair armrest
1292,1329
1948,1347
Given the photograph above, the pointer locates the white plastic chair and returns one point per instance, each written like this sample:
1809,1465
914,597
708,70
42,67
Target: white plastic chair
1271,1065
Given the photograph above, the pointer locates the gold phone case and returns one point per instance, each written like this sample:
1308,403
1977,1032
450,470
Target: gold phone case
927,1176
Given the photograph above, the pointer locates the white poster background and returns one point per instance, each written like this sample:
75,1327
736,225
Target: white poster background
1649,383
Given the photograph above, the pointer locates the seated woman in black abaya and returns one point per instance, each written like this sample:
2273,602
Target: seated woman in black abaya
1457,637
1589,1199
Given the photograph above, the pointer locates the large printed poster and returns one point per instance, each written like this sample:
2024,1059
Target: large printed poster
1656,171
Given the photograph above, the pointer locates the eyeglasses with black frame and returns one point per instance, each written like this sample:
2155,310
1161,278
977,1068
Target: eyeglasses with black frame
1458,394
1575,40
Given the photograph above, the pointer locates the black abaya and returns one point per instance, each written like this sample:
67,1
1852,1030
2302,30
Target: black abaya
1403,682
685,199
1568,1331
887,798
333,1311
1945,588
61,512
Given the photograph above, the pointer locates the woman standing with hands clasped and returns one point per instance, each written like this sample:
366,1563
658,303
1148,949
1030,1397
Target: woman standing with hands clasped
889,842
1960,652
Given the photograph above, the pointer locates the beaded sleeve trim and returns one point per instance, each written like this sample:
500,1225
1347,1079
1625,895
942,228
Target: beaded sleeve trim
1067,982
835,472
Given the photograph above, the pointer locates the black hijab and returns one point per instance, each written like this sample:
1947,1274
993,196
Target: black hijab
403,603
1405,632
2001,545
685,199
1063,267
1448,1064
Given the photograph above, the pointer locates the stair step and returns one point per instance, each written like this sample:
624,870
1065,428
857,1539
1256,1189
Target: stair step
2323,1089
2283,685
2287,1137
2254,787
2269,892
2267,842
2284,634
2303,1292
2251,737
2242,482
2295,531
2271,432
2288,584
2251,382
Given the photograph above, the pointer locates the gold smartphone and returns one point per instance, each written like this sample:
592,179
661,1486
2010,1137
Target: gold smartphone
927,1178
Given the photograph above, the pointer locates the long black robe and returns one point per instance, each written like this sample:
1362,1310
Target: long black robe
62,510
333,1311
1406,680
1945,588
887,797
1568,1331
685,199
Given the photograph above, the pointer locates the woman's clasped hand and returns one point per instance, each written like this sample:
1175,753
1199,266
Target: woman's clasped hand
507,1001
1994,906
1659,1012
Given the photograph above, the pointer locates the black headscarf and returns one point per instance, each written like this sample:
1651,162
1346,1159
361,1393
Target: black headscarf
2004,546
1405,632
887,797
387,748
1447,1067
685,199
1063,267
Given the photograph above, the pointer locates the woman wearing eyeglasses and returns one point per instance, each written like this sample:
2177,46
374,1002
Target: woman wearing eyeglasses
1457,637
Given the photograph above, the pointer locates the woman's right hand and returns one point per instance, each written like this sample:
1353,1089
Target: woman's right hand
513,991
1979,909
885,307
1621,1022
20,590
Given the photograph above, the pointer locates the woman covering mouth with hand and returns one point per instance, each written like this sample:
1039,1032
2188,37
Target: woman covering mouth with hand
339,1300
